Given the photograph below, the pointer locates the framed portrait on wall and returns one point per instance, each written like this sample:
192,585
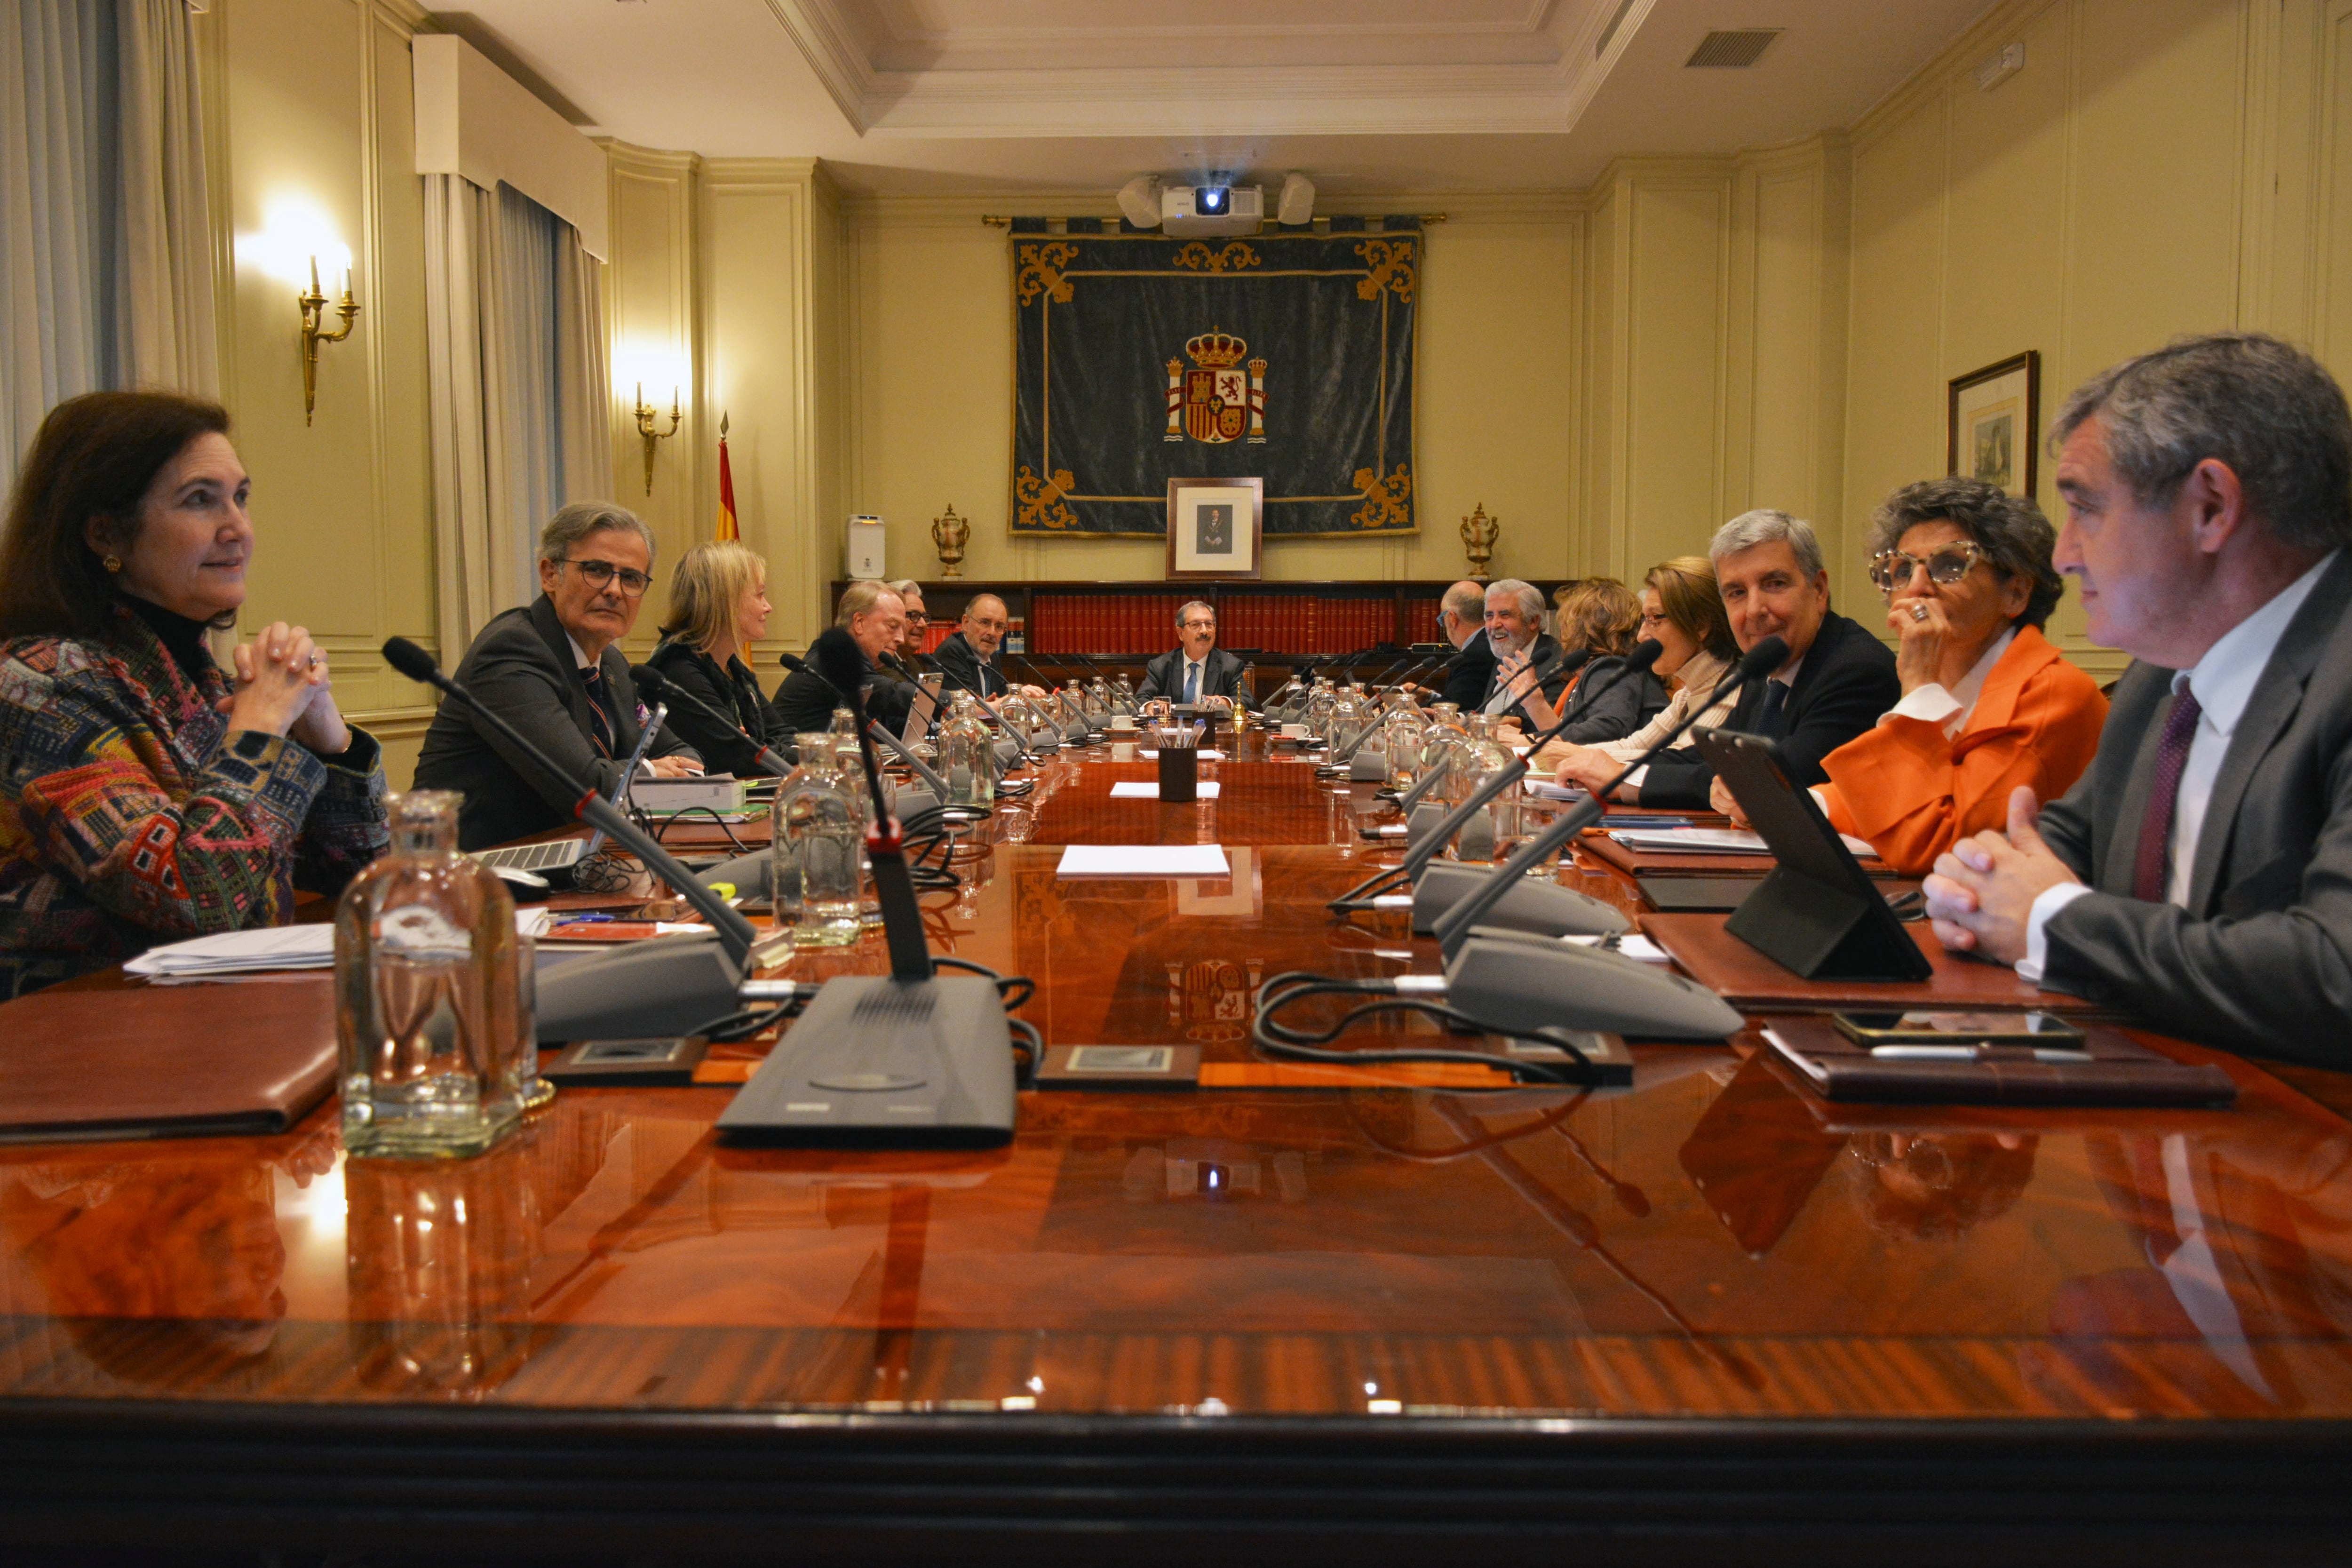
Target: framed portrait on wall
1994,423
1216,527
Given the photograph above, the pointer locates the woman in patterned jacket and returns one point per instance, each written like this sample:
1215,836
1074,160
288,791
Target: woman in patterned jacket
146,795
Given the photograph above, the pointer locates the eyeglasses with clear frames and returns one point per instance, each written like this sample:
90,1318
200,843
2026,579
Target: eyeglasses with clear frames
599,573
1890,570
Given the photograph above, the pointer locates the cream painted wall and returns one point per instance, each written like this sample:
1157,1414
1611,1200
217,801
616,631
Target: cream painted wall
313,105
2149,174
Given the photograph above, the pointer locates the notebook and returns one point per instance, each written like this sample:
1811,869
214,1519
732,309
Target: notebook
102,1064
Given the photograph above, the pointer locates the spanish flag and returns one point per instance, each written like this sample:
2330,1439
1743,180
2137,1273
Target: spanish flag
727,529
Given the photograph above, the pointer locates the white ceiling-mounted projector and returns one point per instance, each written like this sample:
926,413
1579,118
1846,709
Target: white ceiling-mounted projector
1205,212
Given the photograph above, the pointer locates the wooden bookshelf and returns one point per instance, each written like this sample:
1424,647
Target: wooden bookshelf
1279,625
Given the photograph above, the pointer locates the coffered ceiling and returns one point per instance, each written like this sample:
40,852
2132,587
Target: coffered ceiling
1362,95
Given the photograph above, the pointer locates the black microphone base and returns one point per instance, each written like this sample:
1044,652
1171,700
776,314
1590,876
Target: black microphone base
882,1063
1543,908
670,986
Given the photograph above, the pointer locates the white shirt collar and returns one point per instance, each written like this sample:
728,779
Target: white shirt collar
1788,676
578,655
2224,679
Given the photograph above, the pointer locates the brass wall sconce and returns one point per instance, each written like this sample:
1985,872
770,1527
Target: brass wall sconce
314,313
646,415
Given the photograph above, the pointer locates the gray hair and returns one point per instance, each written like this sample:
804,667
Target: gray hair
860,599
1467,599
1188,606
1530,598
576,522
2262,407
971,605
2016,537
904,586
1762,526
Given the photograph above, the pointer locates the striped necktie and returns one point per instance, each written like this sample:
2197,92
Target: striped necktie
602,731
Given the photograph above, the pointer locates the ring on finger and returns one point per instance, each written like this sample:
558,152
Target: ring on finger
1918,612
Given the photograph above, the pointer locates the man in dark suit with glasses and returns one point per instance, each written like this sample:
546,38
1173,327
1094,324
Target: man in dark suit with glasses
554,670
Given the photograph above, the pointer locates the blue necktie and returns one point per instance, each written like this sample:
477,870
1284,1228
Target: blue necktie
1772,721
1192,683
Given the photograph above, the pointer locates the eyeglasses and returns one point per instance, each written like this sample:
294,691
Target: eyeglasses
1890,570
600,574
917,618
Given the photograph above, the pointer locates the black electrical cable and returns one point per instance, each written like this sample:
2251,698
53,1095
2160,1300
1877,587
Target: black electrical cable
1281,1040
680,815
1031,1043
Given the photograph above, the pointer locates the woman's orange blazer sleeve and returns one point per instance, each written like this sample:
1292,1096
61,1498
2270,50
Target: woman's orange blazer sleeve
1912,792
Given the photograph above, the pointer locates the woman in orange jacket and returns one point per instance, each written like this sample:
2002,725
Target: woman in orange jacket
1988,704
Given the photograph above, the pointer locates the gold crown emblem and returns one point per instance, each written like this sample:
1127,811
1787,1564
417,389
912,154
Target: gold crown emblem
1215,350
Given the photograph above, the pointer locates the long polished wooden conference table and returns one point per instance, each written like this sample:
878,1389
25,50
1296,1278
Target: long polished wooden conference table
1706,1311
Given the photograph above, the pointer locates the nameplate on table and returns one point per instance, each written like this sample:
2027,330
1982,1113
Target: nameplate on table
1143,860
1147,789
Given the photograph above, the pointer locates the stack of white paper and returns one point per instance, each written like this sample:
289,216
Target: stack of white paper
1544,789
1147,789
1143,860
268,948
1206,753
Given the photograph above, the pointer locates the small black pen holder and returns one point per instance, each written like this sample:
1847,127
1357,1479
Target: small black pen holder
1179,774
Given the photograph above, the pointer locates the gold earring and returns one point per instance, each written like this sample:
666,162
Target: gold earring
111,562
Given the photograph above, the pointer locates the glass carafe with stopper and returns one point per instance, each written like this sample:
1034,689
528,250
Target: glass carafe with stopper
968,755
432,1013
1404,737
820,843
1320,701
1478,758
1441,742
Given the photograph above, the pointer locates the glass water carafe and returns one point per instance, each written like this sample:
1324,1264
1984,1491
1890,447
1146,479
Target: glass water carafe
432,1012
968,755
819,846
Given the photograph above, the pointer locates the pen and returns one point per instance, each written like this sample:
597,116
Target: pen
1965,1054
585,920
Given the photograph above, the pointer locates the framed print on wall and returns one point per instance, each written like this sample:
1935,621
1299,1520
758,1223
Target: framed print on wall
1994,423
1216,527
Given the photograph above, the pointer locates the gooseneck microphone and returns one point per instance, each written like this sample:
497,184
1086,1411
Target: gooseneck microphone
897,1058
662,689
653,988
1471,904
1423,847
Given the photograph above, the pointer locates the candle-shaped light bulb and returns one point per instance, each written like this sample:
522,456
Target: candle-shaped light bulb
673,404
314,275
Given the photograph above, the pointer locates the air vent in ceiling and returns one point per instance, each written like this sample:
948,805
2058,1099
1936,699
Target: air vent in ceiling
1733,48
1609,32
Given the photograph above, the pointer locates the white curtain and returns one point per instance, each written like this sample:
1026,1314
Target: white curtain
515,350
106,275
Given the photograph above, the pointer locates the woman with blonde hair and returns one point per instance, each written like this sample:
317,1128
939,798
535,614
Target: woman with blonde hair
1682,611
718,609
1602,617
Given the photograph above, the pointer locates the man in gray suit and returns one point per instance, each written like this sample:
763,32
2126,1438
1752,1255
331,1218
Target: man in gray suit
2201,873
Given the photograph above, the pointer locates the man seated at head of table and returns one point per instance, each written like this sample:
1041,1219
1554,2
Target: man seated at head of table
1514,623
1601,618
968,657
1988,704
875,620
908,661
2199,873
1836,682
145,794
554,670
718,610
1196,670
1683,613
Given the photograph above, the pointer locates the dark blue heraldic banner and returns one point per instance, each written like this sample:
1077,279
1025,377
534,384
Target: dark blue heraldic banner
1286,357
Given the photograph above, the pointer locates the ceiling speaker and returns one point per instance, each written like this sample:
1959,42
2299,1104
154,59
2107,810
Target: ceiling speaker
1138,201
1296,204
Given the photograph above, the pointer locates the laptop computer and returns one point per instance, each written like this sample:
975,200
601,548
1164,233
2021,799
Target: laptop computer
926,703
562,854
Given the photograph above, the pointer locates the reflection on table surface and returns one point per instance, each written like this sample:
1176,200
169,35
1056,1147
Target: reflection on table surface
1709,1241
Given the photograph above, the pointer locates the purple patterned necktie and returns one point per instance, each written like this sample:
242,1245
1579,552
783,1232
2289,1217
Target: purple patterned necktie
2156,828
